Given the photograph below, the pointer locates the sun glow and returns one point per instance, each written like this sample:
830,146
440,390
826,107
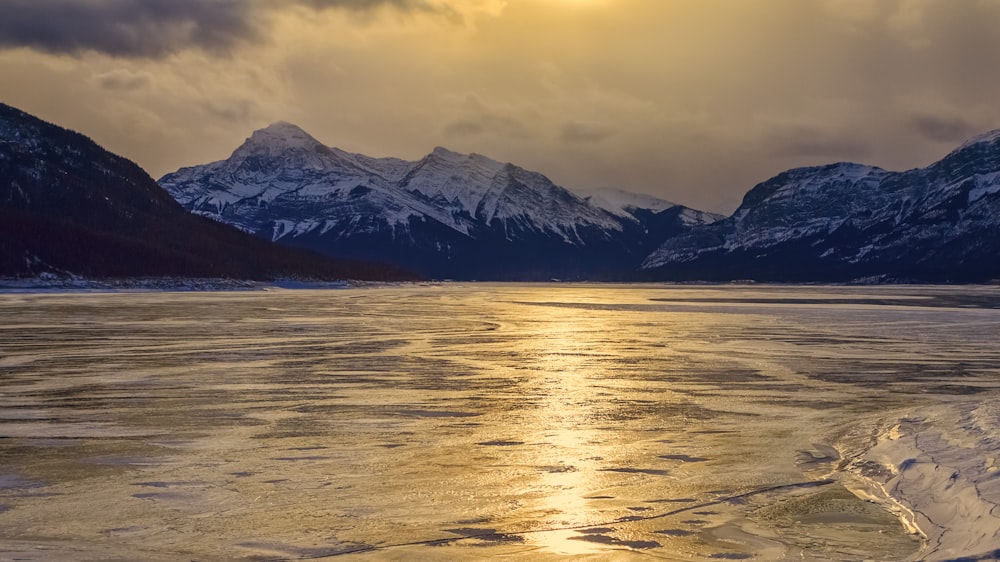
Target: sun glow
578,3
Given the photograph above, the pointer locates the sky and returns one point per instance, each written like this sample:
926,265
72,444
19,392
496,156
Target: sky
694,101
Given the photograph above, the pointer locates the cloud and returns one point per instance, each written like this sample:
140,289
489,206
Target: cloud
123,80
809,141
480,118
233,110
649,95
464,128
942,128
584,132
856,12
367,5
493,124
158,28
125,28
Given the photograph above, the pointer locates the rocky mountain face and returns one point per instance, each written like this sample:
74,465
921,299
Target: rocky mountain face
447,215
67,206
845,222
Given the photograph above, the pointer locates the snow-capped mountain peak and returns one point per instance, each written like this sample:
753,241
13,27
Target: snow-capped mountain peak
285,129
283,145
282,135
482,165
438,214
446,154
458,180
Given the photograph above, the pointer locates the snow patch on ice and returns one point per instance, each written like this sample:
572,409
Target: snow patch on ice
940,471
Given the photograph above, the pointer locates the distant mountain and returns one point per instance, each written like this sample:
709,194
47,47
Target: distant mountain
845,222
68,206
447,215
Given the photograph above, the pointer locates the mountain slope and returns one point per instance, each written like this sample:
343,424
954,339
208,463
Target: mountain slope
848,221
69,206
447,215
638,207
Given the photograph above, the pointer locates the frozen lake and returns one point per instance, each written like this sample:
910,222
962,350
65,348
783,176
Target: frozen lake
471,421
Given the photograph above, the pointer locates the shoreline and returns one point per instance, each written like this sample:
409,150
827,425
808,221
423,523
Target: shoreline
168,284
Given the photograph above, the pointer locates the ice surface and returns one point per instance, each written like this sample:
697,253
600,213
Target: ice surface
479,421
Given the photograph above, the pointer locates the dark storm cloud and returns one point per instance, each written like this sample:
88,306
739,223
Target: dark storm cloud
125,28
152,28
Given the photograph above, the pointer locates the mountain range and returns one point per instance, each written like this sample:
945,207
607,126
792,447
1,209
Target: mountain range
70,207
447,215
844,222
465,216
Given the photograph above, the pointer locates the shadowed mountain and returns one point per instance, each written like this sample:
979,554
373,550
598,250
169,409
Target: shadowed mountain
68,206
844,222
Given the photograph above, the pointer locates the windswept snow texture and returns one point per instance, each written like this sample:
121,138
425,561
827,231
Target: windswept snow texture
446,215
845,222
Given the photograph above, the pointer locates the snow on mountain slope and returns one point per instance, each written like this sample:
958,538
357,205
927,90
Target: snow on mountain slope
282,176
492,192
618,201
624,204
460,181
447,207
805,202
845,221
985,139
281,166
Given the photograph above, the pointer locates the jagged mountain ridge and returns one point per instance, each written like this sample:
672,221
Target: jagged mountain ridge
845,221
447,215
70,207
